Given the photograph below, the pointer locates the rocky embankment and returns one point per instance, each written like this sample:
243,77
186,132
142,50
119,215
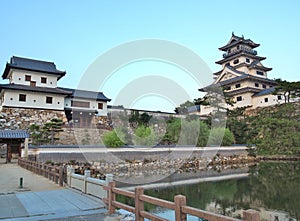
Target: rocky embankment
150,167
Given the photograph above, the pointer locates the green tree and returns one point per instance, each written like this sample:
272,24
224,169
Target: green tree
36,134
183,108
114,138
145,136
287,89
221,136
51,128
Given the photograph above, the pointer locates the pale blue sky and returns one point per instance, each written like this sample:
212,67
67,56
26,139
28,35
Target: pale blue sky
74,33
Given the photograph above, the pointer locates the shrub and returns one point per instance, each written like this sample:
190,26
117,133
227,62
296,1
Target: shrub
144,136
221,136
113,138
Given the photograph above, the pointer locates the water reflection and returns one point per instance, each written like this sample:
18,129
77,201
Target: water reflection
272,188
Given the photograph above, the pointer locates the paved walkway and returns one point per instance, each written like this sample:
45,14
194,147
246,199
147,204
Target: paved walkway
10,179
41,199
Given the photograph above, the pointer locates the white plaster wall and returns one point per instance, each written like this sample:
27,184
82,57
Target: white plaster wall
253,72
18,77
93,105
272,100
33,100
246,100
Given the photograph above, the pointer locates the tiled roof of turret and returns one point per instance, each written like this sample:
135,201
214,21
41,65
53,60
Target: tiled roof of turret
241,53
86,94
32,65
240,78
265,92
234,40
21,87
254,64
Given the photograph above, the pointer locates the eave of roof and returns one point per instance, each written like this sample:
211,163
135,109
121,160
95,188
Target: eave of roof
264,92
78,110
238,79
238,55
20,87
85,94
243,90
28,64
13,134
238,40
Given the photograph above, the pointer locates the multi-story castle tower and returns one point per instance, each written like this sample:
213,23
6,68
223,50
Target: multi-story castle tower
243,76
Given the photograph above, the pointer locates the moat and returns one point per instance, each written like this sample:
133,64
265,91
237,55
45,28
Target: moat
273,188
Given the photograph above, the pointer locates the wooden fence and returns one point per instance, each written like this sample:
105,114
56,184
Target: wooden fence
179,206
54,173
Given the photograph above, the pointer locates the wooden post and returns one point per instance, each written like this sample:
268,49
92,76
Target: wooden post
111,197
139,204
180,201
251,215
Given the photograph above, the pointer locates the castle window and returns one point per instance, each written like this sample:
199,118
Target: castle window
43,80
239,98
227,88
22,97
49,100
237,85
236,61
27,78
247,60
256,84
259,72
100,106
264,86
279,97
80,104
238,47
32,83
266,99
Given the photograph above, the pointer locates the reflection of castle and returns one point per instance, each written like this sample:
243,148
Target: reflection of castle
243,76
265,215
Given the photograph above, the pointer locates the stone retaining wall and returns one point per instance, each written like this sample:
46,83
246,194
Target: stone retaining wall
22,118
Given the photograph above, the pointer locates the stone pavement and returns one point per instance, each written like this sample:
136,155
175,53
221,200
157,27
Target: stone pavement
10,175
41,199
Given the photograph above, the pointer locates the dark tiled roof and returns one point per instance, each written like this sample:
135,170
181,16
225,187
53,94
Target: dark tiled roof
236,71
254,64
13,134
240,78
265,92
236,40
243,90
32,65
238,55
99,96
34,89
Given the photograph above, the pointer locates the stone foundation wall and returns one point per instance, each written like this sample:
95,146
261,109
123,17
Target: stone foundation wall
21,118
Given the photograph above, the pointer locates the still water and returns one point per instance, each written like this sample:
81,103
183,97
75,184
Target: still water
272,188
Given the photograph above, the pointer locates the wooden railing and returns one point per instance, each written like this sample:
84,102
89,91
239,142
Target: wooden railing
179,206
54,173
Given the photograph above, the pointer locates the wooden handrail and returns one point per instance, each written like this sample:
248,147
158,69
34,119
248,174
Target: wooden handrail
158,202
51,172
179,206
